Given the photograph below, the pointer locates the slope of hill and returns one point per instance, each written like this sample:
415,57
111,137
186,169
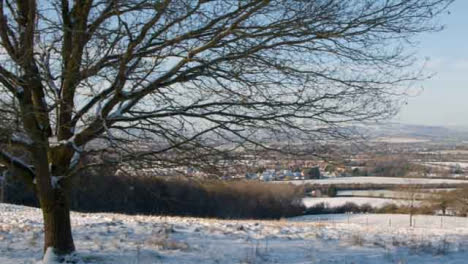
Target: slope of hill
421,132
121,239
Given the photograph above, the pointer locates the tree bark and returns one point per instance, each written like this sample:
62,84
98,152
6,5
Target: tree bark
57,225
54,197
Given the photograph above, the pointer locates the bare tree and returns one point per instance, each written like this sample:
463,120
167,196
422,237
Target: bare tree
190,74
459,200
411,194
444,200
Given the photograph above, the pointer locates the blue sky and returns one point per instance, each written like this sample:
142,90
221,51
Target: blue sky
444,98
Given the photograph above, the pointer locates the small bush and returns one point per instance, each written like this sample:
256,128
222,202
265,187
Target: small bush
388,209
332,191
348,207
366,208
319,208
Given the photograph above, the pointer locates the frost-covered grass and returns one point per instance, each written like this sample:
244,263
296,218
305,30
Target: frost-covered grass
122,239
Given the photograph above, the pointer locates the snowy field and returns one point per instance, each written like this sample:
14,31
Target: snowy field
400,140
463,165
377,180
448,152
422,194
389,221
343,239
370,193
339,201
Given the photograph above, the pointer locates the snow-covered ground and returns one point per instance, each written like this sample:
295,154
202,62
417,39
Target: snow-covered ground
463,165
377,180
371,193
421,194
339,201
121,239
447,152
400,140
387,222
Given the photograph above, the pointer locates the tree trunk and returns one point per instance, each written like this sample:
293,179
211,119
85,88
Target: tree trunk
57,226
54,197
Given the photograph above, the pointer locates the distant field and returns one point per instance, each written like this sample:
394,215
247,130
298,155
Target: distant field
388,193
400,140
447,152
379,180
463,165
339,201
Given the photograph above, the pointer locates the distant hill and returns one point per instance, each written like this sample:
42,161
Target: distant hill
421,132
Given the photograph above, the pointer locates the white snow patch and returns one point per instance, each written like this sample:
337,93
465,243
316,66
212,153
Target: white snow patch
50,257
54,181
54,142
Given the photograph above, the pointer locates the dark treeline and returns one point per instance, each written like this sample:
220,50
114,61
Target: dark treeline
350,207
102,191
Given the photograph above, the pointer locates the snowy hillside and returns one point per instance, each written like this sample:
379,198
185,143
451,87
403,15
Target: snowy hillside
419,133
121,239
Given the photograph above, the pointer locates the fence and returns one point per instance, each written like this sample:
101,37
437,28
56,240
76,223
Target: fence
390,220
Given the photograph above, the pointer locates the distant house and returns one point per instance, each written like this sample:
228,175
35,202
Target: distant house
285,175
268,175
297,175
189,171
251,176
311,173
315,193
